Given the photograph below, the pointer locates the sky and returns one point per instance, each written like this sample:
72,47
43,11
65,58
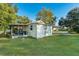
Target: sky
32,9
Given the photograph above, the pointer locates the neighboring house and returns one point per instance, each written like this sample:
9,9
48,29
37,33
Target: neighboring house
36,29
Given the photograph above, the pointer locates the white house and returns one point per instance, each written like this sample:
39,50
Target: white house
37,29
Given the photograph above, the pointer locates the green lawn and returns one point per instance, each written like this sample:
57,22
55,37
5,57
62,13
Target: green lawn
54,46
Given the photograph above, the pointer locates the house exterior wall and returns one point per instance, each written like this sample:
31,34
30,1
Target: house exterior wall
32,32
44,30
48,30
40,31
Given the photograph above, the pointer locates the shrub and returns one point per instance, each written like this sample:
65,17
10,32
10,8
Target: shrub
76,28
5,35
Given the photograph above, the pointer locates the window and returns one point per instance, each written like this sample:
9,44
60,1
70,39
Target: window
31,27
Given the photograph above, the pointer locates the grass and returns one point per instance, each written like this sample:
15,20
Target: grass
56,45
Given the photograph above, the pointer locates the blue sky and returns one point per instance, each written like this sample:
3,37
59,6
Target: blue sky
58,9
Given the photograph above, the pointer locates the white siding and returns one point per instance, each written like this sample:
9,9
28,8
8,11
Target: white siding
32,32
49,30
40,31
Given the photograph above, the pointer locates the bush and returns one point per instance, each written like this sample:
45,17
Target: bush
76,28
5,35
2,35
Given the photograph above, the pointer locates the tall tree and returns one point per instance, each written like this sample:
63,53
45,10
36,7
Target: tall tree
72,20
73,17
23,20
7,14
46,16
61,21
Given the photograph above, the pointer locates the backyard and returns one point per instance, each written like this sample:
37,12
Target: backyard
52,45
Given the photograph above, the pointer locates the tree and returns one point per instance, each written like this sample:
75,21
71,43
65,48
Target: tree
46,16
64,22
23,20
73,16
72,20
61,22
7,15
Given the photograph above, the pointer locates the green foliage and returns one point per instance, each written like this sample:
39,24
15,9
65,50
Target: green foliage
46,16
61,21
72,20
76,28
23,20
7,14
73,17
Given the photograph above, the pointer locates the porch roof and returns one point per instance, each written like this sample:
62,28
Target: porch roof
19,24
38,22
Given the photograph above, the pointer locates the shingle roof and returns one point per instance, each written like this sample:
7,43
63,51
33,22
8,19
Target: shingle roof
39,22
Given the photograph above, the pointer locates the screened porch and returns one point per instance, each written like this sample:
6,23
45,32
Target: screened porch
20,30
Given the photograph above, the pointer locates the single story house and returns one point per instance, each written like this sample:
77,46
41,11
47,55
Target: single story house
37,29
